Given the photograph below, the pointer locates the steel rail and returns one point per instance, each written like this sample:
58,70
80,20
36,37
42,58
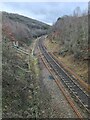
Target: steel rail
61,87
74,75
66,80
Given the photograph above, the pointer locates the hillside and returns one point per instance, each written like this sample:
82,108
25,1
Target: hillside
21,97
68,40
24,29
71,33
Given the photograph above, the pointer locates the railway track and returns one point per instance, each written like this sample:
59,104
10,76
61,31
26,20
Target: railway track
66,80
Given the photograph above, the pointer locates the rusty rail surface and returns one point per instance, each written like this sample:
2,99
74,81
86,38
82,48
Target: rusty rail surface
81,82
62,88
73,88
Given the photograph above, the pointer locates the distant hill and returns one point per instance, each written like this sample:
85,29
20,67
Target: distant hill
24,29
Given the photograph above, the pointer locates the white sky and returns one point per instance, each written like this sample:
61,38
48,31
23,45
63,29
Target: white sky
47,12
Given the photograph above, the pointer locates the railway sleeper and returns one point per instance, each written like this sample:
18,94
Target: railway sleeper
75,93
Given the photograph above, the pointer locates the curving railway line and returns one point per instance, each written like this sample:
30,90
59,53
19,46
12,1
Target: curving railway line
66,80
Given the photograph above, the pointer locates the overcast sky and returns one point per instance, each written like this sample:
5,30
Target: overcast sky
47,12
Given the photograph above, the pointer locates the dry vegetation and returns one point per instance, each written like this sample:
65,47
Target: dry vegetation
22,96
21,92
68,39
